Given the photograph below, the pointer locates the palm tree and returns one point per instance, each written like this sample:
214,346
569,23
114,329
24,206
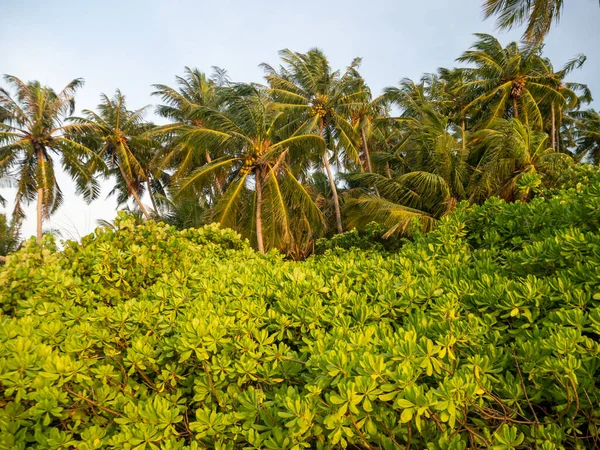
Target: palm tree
507,151
367,116
506,82
433,171
320,99
9,239
588,136
32,135
252,135
538,14
572,95
194,90
120,138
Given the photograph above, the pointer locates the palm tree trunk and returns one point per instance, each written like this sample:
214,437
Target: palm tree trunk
150,194
336,200
553,139
388,171
217,182
259,201
558,122
515,109
136,197
366,149
40,202
367,155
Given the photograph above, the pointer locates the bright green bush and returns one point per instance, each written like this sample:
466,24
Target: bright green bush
483,332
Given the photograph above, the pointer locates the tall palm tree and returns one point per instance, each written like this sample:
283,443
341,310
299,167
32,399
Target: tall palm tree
506,82
367,116
538,14
32,135
511,81
194,89
120,138
253,137
572,95
320,99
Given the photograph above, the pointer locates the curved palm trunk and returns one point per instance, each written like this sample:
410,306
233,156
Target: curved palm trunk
259,201
217,182
336,200
553,139
136,197
367,155
40,202
150,194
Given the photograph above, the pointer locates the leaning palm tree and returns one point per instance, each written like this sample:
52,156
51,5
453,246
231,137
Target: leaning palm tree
32,136
256,147
321,100
120,138
537,14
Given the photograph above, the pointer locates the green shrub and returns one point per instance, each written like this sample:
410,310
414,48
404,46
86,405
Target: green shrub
373,237
484,332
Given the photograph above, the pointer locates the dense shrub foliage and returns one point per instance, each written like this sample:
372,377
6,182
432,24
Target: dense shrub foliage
483,332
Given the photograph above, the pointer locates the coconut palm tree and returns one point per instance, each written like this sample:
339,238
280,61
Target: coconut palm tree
120,137
33,138
320,99
588,136
506,82
9,238
194,89
367,116
572,96
432,175
537,14
507,151
252,136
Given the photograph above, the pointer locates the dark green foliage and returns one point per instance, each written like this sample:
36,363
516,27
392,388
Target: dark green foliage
8,240
373,237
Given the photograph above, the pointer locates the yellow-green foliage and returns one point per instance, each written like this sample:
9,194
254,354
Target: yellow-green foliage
483,332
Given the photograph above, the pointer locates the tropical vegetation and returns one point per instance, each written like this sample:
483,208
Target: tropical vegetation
311,152
305,263
481,334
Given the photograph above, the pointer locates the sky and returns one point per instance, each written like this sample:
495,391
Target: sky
132,44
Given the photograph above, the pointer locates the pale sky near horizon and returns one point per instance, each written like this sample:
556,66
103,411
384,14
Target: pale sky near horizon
132,44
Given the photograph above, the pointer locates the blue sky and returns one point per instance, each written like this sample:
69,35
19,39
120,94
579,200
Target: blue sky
132,44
